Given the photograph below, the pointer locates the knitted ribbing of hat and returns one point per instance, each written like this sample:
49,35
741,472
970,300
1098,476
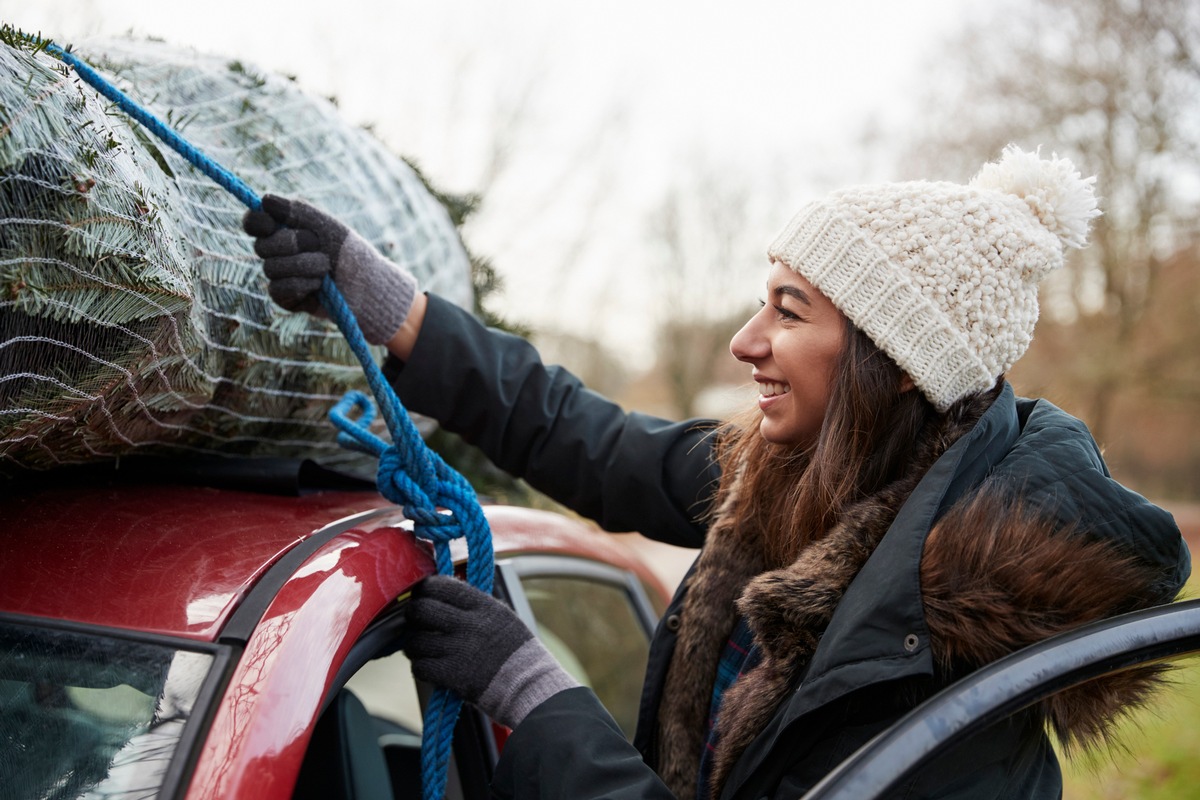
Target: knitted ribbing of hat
410,474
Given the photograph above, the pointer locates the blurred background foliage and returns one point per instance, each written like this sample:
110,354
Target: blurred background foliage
1114,85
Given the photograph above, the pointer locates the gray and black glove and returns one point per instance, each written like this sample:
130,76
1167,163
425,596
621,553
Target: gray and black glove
474,645
310,245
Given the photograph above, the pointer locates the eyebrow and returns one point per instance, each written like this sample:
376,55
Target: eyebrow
792,291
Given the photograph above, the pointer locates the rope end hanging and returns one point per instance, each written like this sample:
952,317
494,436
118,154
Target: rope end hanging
356,434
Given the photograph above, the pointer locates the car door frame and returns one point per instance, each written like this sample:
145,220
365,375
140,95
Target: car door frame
478,741
512,569
1005,687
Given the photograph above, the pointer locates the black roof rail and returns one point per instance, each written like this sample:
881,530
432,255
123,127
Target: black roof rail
278,476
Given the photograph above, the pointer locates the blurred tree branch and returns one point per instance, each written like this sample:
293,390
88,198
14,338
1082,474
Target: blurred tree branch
1115,85
700,229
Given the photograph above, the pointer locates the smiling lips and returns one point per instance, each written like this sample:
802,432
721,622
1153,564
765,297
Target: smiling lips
772,389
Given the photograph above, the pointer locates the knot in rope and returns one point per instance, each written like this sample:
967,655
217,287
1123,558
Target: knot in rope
398,486
414,477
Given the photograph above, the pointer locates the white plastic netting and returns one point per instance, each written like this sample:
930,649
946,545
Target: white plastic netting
133,312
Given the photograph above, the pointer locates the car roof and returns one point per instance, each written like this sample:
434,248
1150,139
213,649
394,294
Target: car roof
180,560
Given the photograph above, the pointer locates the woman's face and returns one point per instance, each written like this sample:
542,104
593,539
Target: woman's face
793,342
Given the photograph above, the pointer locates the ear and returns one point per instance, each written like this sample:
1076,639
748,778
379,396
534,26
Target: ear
906,383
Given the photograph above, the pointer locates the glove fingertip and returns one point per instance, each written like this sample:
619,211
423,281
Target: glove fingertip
305,215
292,293
278,208
258,224
285,300
432,586
312,304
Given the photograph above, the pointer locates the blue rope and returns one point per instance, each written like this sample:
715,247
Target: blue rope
410,474
226,179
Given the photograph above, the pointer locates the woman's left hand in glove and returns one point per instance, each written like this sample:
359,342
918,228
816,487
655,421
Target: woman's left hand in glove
474,645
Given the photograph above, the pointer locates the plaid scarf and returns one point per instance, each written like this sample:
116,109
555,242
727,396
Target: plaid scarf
739,656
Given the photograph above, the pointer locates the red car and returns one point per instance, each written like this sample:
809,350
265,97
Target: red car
189,642
177,641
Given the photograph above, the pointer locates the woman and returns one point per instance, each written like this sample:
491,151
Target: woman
889,518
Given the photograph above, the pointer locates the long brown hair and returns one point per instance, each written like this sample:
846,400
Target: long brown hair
792,495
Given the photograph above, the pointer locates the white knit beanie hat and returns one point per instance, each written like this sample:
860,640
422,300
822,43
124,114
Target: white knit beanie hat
944,277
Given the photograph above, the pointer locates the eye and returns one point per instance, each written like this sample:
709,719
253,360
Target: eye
786,315
782,313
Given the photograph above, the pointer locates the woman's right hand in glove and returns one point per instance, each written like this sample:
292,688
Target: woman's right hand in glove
471,643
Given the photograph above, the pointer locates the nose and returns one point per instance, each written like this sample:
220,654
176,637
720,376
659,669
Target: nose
749,344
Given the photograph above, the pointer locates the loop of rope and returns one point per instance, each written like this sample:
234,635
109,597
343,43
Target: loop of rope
410,474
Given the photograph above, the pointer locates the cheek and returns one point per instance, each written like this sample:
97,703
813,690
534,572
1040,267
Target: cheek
831,353
815,404
821,373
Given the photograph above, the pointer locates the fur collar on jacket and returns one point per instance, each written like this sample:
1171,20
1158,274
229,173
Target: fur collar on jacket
995,577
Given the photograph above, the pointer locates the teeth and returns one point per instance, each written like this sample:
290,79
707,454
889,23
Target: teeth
768,389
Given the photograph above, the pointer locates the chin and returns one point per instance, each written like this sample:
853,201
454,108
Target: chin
775,436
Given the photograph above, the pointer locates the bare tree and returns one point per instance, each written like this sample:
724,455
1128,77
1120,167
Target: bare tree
1115,85
703,232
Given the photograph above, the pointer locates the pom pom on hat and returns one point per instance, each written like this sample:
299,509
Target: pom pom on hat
943,277
1062,200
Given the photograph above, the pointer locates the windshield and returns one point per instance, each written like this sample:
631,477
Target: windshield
88,715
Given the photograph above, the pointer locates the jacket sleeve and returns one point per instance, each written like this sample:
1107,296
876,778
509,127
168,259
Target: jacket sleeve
569,746
628,472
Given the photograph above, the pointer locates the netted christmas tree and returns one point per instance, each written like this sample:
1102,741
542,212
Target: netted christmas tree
133,312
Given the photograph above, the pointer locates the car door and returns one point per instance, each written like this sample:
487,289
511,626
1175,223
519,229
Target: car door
1009,685
595,617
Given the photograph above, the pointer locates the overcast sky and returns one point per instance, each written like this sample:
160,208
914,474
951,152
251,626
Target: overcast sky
611,104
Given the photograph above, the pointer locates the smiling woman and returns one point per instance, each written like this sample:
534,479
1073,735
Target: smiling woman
887,518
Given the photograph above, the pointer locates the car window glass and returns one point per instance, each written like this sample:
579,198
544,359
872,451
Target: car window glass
393,709
85,715
387,689
593,630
